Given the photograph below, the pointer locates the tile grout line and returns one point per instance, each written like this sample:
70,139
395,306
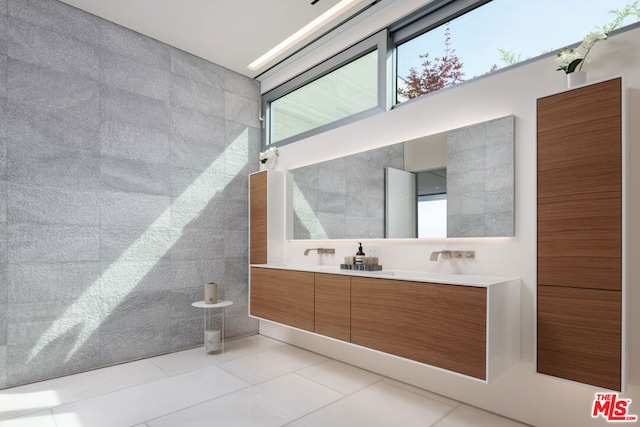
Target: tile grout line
344,396
134,386
445,415
248,386
73,401
147,361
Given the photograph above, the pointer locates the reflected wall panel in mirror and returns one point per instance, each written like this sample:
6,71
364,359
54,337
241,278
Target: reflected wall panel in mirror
343,198
473,196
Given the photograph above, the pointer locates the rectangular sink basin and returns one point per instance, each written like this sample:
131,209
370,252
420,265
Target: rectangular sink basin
458,279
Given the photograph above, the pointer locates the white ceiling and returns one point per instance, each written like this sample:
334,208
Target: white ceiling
231,33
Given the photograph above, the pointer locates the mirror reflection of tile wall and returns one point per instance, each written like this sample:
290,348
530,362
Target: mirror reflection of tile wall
480,179
343,198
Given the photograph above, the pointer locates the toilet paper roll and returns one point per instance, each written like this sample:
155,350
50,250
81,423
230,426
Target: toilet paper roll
210,293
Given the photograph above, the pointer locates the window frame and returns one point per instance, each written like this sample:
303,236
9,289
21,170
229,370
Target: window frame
379,41
436,14
425,20
385,41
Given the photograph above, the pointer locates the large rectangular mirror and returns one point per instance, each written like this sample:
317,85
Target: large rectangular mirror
456,184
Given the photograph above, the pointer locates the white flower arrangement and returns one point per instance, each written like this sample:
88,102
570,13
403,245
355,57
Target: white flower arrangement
269,154
569,59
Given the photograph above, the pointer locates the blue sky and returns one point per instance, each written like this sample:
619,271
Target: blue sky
528,28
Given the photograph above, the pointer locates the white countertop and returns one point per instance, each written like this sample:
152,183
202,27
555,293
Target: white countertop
414,276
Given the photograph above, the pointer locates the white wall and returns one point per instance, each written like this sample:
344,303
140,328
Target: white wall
520,393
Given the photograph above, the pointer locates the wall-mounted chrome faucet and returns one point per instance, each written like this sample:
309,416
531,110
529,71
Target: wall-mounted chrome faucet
435,254
452,254
321,251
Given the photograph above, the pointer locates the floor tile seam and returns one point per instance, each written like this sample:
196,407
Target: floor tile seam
53,417
297,373
78,400
494,413
169,374
214,363
335,389
251,355
27,414
388,381
344,396
333,402
160,368
280,347
250,380
23,414
435,423
319,362
244,388
277,410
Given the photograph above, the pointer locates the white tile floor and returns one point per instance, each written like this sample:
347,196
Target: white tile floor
257,381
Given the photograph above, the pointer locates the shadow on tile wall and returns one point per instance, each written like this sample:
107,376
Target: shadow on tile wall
123,189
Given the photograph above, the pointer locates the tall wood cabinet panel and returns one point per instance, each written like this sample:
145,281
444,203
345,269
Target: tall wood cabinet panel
579,237
580,187
333,306
283,296
440,325
258,218
269,224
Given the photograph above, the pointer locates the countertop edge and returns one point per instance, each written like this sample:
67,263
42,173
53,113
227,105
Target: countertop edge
404,275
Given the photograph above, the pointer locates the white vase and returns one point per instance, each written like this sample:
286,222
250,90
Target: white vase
263,166
577,78
210,293
272,162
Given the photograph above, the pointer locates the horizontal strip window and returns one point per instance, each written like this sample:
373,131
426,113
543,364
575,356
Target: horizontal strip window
445,43
343,89
457,41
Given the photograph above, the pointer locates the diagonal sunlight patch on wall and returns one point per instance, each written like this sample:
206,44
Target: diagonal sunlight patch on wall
190,204
306,215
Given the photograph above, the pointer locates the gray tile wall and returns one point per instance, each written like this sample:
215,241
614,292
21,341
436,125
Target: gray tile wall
123,189
343,198
481,179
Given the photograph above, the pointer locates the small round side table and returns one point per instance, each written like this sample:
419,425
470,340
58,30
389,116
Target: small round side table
213,338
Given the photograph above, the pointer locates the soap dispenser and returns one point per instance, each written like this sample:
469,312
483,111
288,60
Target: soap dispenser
359,255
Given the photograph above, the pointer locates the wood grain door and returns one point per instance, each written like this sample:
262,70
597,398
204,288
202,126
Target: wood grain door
440,325
580,187
333,306
579,335
283,296
258,218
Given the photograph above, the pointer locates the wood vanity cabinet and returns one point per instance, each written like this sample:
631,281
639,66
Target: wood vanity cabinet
470,330
333,306
579,294
283,296
436,324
